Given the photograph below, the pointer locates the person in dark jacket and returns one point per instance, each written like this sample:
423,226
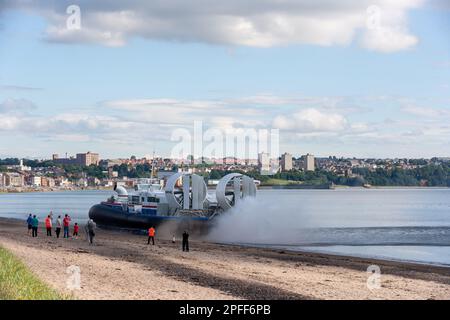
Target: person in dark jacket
35,225
30,223
185,241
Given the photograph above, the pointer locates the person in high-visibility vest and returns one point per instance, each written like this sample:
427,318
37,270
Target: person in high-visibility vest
151,235
48,226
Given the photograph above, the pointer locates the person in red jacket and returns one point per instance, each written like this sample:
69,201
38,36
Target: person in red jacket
151,235
75,230
66,224
48,226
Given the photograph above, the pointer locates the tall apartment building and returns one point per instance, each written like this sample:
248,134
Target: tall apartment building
309,162
264,163
286,162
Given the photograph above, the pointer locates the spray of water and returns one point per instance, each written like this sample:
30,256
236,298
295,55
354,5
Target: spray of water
259,221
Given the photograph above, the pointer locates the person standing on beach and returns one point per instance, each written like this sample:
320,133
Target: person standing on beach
30,223
66,223
35,225
185,241
90,230
58,226
151,235
75,230
48,226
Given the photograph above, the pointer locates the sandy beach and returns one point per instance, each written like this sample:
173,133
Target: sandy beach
122,266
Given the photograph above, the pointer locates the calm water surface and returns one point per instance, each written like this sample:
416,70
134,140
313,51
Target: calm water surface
400,224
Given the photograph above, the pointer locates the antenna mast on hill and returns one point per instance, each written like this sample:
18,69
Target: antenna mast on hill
153,165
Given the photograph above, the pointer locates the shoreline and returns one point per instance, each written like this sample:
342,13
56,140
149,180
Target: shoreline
50,190
264,187
282,187
122,266
445,269
352,256
285,247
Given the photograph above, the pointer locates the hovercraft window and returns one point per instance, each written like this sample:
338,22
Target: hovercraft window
152,199
135,199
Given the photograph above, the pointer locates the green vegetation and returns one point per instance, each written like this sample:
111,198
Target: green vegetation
76,171
279,182
139,171
429,175
9,161
18,283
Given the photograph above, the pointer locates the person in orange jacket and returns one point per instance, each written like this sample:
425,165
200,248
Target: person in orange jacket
48,226
151,235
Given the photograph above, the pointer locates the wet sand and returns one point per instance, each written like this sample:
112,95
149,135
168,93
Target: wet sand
122,266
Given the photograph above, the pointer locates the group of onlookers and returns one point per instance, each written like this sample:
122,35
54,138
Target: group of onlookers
33,225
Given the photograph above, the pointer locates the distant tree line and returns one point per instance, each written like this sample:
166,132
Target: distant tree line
429,175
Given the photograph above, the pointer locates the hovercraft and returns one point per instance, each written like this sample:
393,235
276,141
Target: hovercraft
183,201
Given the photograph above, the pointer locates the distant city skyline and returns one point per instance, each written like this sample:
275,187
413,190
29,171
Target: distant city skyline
374,85
77,160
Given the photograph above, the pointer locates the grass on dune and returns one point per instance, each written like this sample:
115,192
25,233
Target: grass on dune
279,182
18,283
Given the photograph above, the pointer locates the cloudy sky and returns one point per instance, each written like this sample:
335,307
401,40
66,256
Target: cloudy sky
346,78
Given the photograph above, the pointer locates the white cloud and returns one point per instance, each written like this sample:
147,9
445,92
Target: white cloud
70,137
311,120
16,106
8,122
387,27
427,112
181,112
256,23
318,123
